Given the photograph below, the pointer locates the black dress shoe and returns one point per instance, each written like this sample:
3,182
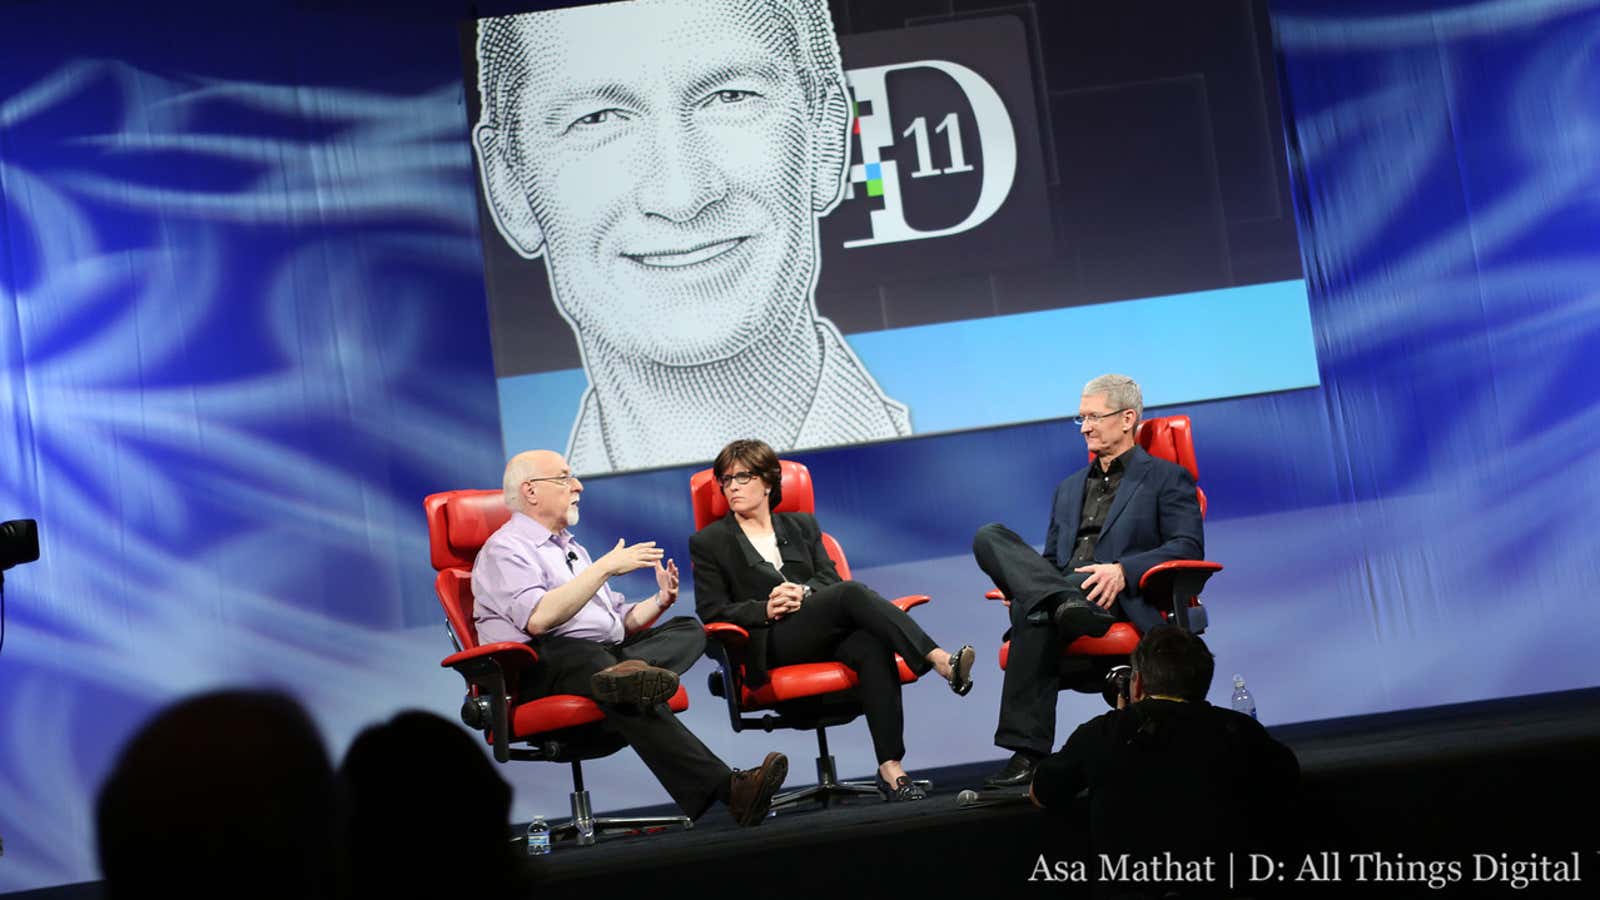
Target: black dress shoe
1077,617
1017,773
904,789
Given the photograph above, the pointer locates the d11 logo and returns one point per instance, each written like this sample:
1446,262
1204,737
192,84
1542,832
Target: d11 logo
875,132
946,168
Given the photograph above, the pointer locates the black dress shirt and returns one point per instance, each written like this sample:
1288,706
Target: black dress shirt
1099,489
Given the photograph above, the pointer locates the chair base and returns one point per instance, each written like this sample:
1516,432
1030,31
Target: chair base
584,826
829,788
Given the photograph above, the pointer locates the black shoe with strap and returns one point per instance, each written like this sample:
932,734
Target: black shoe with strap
904,789
961,670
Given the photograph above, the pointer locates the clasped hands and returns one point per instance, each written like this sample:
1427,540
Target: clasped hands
784,599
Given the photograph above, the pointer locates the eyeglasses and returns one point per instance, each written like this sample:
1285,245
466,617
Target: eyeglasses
740,478
565,480
1096,417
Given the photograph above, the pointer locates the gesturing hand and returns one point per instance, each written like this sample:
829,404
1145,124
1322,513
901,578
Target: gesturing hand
1105,582
667,584
624,557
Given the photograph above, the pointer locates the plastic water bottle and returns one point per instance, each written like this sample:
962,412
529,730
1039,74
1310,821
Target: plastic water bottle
1242,701
538,837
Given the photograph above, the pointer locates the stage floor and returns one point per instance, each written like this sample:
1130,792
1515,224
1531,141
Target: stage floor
1502,780
1493,787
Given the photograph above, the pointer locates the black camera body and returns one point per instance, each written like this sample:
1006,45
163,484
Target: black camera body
1119,685
19,542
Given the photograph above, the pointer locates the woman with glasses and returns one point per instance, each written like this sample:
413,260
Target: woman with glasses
768,573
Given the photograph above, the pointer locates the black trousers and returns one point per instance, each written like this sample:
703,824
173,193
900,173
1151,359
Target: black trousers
1033,669
686,767
850,623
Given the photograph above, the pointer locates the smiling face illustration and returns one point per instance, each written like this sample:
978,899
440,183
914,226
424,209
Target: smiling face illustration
671,188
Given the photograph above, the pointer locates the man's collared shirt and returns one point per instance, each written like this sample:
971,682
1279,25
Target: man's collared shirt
520,563
1099,489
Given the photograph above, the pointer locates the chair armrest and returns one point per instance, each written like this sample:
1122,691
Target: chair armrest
910,600
491,672
511,655
1171,568
1175,586
728,634
727,650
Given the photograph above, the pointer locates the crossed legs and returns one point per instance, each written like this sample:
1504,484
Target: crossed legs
852,624
690,772
1035,588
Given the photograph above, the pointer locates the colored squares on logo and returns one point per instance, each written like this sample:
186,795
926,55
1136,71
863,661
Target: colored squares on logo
874,179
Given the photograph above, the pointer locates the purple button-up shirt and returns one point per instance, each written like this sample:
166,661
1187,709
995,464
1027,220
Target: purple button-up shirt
517,565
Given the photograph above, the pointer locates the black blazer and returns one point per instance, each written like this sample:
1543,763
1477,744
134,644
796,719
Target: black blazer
1154,518
732,581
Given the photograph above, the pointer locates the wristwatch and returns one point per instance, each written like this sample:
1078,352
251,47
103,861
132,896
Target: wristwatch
806,592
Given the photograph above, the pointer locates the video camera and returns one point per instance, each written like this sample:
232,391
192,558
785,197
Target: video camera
19,542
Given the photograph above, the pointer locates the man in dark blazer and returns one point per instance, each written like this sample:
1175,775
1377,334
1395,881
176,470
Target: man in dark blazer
1110,522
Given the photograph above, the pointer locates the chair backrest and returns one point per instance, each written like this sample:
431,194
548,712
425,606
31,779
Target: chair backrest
1170,438
458,524
709,504
454,588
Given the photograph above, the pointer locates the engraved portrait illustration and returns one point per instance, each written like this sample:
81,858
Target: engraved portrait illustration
668,161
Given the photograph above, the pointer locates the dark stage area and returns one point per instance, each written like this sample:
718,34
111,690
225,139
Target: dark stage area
1493,787
1512,776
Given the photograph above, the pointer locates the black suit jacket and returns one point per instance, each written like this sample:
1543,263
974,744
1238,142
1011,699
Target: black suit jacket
1154,518
732,581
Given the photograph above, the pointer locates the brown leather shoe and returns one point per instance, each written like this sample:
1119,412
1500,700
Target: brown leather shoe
634,682
750,794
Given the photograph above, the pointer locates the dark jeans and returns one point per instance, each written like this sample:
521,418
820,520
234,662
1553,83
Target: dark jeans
1033,669
850,623
687,768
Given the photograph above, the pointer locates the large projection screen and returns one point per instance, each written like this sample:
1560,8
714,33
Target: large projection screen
705,220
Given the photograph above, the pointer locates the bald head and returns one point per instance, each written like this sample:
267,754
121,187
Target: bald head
533,486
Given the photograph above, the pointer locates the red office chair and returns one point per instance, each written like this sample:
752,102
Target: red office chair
557,728
803,696
1174,587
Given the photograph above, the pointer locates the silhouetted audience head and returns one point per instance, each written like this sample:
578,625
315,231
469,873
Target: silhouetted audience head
228,794
1172,662
427,812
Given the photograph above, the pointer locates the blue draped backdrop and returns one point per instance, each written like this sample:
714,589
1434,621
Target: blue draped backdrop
243,332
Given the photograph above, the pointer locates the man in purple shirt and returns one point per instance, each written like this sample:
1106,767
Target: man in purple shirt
534,582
